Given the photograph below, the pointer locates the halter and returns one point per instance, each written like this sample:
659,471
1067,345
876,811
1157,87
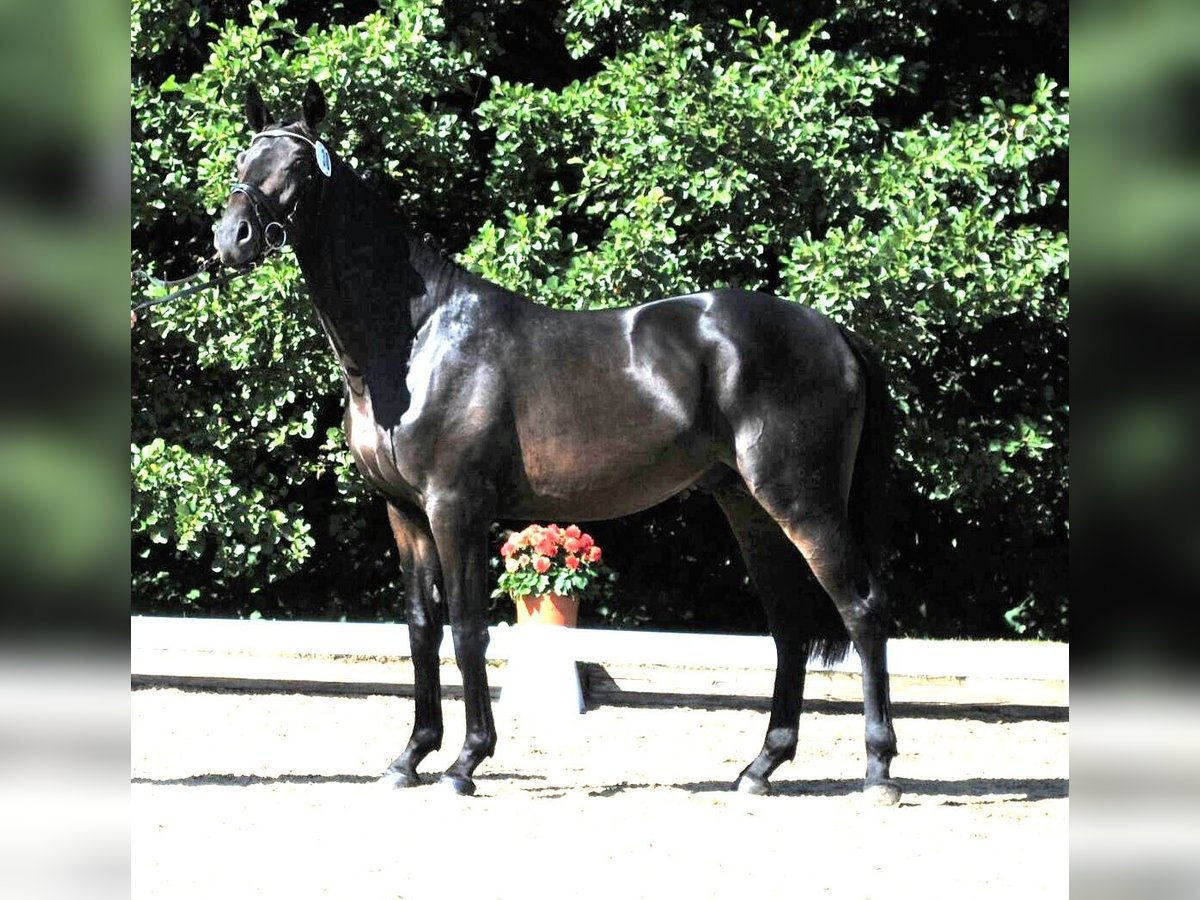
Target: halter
266,211
269,217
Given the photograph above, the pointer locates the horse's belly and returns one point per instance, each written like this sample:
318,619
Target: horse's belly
591,452
573,483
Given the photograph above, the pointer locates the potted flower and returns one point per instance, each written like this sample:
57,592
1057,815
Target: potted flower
546,568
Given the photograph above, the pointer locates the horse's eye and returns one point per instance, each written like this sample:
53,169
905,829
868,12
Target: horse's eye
241,158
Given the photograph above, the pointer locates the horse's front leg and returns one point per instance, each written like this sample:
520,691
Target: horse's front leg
422,576
460,531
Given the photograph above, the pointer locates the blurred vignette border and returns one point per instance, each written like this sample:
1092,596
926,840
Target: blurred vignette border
64,711
64,201
1135,220
1135,229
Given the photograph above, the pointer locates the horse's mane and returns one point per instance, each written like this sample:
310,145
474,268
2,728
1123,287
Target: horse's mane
426,252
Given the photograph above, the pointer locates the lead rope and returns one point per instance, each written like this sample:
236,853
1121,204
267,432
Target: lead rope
216,281
186,292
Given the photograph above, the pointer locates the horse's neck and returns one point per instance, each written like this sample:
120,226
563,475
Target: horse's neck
357,264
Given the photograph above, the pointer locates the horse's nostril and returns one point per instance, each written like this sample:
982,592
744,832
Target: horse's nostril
243,232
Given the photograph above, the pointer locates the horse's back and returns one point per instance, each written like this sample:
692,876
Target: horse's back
791,328
747,347
759,343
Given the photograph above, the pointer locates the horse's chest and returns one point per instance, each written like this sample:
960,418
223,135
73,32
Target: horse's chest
362,431
374,451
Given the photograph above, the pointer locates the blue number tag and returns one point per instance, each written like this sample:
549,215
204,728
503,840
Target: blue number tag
323,161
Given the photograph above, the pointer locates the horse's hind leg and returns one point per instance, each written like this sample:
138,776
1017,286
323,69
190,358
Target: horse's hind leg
419,565
824,536
778,571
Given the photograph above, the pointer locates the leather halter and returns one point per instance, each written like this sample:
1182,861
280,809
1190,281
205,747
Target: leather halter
272,222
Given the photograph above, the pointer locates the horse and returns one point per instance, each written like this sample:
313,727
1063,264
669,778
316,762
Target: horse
467,403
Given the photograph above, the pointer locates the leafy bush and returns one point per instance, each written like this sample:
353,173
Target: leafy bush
640,153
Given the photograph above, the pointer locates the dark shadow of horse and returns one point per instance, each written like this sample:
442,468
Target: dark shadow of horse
1005,790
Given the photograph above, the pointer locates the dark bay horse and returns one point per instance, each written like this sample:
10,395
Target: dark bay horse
468,403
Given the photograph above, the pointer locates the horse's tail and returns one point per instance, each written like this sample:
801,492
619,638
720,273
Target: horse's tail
868,494
872,463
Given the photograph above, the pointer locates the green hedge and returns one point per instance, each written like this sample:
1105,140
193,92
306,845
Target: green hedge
600,153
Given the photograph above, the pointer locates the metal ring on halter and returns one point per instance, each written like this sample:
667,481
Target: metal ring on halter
271,243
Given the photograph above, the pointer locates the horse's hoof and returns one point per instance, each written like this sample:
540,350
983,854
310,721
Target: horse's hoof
882,793
753,785
395,778
460,785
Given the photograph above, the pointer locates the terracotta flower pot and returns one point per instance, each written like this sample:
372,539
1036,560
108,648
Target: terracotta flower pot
547,609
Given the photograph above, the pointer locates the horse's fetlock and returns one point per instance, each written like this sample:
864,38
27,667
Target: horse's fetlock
881,742
781,743
428,739
480,744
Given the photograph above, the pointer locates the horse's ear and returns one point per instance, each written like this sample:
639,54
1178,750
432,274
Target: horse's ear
256,110
314,105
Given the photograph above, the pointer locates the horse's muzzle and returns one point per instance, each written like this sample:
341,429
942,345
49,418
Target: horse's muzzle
237,239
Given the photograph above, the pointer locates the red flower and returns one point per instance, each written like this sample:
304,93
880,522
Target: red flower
546,551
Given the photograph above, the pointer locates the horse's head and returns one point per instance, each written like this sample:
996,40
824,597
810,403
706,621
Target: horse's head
276,177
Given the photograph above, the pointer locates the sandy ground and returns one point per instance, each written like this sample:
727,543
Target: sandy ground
273,795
